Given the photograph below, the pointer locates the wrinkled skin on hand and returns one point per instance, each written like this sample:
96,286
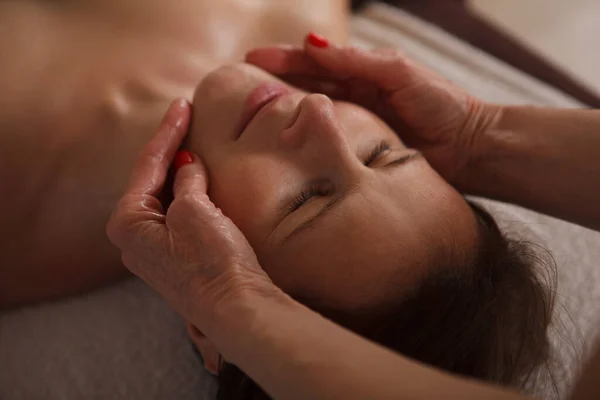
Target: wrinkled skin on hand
193,255
427,111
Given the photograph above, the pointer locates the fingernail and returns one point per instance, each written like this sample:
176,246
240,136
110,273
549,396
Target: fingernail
182,158
317,40
182,103
176,114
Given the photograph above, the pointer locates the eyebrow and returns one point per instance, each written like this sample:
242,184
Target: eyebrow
337,200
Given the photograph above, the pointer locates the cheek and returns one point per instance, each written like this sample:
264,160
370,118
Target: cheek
444,217
348,272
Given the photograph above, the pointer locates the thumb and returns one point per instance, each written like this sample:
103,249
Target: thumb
192,212
191,177
384,68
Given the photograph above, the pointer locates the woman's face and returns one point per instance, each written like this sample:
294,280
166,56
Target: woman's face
337,209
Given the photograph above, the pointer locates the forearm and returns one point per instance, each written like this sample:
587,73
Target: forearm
294,353
588,386
544,159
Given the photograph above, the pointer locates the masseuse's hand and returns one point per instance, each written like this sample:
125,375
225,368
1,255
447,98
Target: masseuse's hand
427,111
190,252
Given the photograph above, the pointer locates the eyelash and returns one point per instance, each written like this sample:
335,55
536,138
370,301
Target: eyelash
381,148
317,190
305,195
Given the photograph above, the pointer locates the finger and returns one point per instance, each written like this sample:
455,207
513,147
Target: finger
134,218
192,213
139,211
153,163
384,68
286,60
190,176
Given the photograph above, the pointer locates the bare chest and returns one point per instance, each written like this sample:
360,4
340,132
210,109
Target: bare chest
85,83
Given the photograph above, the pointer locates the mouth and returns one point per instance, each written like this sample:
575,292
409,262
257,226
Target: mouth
257,100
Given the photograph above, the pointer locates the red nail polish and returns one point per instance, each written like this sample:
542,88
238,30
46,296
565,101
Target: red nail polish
317,40
182,158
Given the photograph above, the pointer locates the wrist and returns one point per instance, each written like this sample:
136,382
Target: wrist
482,149
237,322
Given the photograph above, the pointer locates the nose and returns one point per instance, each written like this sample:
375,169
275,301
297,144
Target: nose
317,137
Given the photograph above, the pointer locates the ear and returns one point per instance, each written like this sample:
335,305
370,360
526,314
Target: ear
209,352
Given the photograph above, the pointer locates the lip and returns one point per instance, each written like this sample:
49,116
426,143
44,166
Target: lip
258,99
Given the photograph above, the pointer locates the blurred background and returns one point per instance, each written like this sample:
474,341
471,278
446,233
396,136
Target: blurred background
567,32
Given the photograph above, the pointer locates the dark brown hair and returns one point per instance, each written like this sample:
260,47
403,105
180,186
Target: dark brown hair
487,320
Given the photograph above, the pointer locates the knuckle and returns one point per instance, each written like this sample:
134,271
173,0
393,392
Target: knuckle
115,228
389,53
149,156
111,229
392,58
195,203
188,200
122,229
116,225
353,53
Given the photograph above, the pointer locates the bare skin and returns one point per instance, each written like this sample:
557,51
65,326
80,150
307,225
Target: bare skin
528,156
84,87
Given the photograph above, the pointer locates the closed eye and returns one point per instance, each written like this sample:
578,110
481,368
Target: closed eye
316,189
302,198
383,147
